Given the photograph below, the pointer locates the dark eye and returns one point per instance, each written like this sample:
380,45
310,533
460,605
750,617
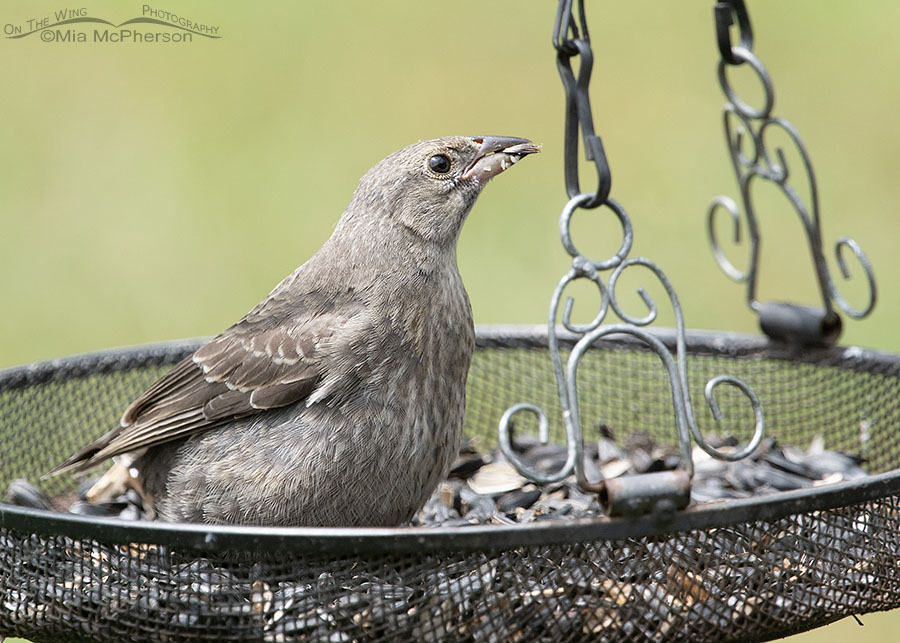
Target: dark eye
439,164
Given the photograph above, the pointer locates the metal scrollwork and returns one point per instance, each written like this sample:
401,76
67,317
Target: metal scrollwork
650,492
590,333
747,132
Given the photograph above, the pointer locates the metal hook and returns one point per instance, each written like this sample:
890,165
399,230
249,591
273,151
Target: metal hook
724,13
845,242
578,103
731,207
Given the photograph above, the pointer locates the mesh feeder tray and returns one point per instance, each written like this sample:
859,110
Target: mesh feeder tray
737,570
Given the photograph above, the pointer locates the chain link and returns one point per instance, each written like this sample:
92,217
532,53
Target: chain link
571,41
725,14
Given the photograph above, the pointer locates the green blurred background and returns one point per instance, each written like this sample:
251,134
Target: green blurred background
158,191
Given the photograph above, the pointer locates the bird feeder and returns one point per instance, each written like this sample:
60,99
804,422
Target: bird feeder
776,511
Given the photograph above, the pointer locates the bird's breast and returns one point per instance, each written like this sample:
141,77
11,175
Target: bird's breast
422,370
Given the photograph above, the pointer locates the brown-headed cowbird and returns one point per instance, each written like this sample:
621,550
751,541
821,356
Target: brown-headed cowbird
339,399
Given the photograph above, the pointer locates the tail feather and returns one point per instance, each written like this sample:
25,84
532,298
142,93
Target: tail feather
82,460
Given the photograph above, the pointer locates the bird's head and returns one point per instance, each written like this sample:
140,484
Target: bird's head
430,186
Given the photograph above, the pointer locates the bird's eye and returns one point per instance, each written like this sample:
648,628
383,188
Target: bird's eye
439,164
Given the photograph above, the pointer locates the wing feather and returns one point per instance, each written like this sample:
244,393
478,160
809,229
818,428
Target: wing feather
272,358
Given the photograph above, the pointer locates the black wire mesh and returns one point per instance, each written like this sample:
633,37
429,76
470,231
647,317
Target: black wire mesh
737,570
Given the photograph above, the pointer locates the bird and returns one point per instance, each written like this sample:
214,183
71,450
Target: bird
339,399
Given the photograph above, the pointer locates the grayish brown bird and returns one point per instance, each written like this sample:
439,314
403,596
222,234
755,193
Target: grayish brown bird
339,399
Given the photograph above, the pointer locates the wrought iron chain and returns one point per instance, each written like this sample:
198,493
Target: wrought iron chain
571,41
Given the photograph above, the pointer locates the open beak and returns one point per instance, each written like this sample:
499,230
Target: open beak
497,153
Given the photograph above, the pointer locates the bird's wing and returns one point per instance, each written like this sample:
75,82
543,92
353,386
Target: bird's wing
273,357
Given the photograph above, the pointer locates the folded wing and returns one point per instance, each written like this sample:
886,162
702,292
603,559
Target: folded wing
273,357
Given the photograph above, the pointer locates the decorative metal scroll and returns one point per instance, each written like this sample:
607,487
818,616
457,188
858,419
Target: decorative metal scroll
651,492
786,321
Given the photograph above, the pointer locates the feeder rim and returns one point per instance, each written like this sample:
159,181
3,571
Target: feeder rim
703,342
404,540
397,540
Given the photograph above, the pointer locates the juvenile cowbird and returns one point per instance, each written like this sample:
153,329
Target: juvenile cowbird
339,399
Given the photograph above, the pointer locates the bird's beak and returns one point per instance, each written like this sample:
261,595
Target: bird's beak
497,153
